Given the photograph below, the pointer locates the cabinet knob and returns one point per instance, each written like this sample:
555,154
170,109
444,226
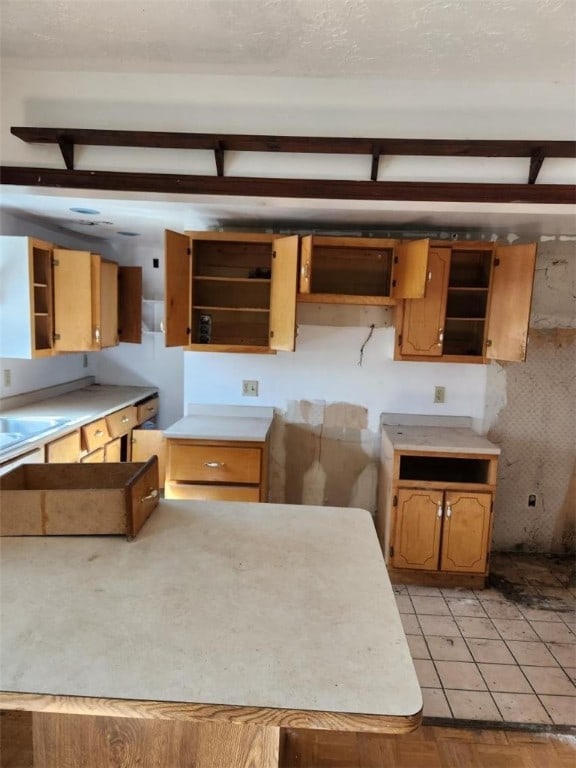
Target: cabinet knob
153,494
125,419
97,334
439,510
214,464
440,335
306,270
98,433
448,510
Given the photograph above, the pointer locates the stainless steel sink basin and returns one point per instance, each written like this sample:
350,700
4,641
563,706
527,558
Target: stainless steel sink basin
16,430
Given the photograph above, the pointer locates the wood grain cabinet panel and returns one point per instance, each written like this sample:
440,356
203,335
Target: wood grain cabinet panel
121,422
213,469
465,531
417,529
64,450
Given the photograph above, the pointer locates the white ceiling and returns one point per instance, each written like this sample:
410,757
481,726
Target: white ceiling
465,40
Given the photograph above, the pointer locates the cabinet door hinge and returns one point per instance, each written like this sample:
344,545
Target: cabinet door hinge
189,251
393,283
55,263
400,340
395,259
391,551
56,336
188,331
273,254
395,501
496,262
271,334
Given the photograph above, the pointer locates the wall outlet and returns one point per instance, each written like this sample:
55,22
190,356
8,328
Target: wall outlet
250,388
439,394
532,500
7,377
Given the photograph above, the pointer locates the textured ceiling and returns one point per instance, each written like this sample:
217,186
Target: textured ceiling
481,40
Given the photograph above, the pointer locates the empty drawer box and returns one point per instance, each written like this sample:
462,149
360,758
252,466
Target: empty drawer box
78,499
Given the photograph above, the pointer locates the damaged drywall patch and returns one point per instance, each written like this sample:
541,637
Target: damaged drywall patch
323,453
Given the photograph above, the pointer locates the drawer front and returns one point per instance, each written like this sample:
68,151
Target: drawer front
121,422
147,410
176,490
96,457
214,464
65,450
95,435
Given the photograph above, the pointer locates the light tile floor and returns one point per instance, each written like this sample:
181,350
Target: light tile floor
503,654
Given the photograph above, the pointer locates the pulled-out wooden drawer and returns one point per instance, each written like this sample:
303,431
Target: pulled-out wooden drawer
113,451
147,410
78,499
64,450
206,463
96,457
95,435
121,422
174,490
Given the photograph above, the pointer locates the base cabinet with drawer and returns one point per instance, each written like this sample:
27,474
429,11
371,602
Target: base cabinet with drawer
217,470
435,509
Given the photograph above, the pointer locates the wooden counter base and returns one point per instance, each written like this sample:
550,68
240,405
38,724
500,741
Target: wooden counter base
437,578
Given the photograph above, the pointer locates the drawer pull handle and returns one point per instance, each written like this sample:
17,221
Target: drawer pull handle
440,510
150,496
214,464
98,433
150,408
125,419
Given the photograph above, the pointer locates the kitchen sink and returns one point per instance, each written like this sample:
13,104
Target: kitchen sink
16,430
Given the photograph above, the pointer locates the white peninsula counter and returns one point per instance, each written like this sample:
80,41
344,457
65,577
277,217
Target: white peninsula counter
233,619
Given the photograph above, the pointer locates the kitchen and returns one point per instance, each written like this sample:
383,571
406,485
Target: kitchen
325,440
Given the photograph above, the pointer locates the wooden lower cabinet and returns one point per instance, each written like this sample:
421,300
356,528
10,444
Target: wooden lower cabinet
439,530
113,451
213,469
96,457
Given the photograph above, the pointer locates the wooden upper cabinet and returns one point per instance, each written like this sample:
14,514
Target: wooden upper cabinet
347,270
26,312
422,329
231,291
130,304
410,269
476,308
510,302
283,293
106,310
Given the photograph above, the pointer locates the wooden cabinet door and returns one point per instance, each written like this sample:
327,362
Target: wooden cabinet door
177,264
466,532
306,247
418,521
422,329
147,443
130,304
73,327
510,300
113,451
283,293
108,307
410,269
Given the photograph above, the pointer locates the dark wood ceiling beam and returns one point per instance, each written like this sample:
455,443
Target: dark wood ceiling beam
297,144
332,189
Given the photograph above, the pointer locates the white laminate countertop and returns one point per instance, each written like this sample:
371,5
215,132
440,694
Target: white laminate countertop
79,406
440,439
261,605
222,422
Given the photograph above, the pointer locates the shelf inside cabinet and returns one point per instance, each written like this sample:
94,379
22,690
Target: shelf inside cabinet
444,469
